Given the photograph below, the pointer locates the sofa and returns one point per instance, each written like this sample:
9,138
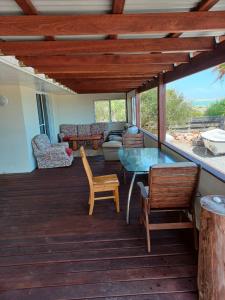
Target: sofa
51,155
68,130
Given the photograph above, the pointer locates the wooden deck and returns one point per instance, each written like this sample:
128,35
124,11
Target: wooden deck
51,249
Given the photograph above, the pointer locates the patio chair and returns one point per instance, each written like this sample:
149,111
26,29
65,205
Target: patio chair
98,184
172,187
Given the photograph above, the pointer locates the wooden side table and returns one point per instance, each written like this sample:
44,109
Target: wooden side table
211,260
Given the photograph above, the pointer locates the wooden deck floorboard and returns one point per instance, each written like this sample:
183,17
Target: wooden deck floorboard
51,249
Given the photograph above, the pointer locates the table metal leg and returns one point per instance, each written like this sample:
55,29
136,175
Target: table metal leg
129,196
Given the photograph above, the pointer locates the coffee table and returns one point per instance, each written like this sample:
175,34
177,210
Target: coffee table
93,138
138,161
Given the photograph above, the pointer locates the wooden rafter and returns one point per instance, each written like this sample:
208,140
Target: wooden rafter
198,63
112,24
107,46
203,5
117,8
100,76
151,68
29,9
68,60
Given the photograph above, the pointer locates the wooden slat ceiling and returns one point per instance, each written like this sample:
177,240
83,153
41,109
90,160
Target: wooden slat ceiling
113,64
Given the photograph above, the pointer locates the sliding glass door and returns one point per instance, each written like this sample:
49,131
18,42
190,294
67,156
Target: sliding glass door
42,107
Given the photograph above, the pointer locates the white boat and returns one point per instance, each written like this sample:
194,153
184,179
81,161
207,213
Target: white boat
214,140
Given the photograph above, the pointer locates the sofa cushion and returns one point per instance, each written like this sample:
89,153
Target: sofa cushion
68,129
115,138
99,128
112,144
84,129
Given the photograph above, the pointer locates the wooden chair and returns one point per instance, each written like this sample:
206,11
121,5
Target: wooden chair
172,187
133,140
97,184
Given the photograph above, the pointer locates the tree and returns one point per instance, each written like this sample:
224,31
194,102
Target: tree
178,110
221,71
216,109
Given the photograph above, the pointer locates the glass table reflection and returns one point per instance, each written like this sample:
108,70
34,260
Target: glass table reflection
138,161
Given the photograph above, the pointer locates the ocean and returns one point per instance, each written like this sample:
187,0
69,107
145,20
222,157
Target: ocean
203,102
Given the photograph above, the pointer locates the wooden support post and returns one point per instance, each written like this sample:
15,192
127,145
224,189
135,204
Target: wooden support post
211,261
161,111
138,119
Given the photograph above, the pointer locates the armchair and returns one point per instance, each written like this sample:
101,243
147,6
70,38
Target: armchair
50,155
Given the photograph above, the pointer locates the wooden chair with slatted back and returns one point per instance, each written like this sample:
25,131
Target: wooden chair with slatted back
133,140
98,184
172,187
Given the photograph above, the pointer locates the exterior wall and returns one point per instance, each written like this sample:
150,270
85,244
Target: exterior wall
31,121
13,142
18,124
77,109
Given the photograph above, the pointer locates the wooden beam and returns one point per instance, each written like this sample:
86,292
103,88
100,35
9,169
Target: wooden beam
101,91
107,46
203,5
27,7
101,76
151,68
70,60
100,87
161,111
198,63
112,24
117,8
102,81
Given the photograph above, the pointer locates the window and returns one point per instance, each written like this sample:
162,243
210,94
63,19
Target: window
133,105
110,110
43,114
196,108
149,111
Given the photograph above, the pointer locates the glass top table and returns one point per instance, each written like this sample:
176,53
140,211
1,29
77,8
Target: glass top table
139,161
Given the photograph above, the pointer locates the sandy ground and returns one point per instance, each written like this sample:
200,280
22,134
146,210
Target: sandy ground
201,153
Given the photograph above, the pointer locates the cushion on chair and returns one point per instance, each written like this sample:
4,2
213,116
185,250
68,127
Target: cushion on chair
132,130
69,151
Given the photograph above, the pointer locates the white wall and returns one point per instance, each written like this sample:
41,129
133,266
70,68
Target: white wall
31,122
18,125
13,144
77,109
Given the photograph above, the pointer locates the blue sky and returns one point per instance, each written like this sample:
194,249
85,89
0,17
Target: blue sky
202,85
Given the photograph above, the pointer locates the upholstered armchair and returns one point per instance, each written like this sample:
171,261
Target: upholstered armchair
51,155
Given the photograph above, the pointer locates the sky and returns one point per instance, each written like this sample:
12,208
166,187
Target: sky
200,86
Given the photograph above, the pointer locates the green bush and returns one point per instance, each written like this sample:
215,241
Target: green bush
216,109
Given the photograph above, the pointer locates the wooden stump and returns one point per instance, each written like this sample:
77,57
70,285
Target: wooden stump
211,261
